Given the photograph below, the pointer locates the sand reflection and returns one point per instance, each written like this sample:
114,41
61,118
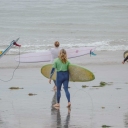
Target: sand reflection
126,120
56,116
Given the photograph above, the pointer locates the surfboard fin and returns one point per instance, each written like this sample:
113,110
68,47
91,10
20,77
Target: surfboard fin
92,53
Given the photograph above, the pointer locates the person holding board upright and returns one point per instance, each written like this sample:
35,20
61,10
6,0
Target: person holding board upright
61,65
54,55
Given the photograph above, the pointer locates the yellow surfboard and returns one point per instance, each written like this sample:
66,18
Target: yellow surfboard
0,52
76,73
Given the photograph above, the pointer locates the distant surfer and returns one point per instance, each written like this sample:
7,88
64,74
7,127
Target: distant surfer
54,55
125,60
61,65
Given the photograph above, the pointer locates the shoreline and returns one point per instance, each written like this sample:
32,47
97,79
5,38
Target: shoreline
102,58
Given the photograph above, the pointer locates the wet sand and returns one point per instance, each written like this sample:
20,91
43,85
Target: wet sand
92,107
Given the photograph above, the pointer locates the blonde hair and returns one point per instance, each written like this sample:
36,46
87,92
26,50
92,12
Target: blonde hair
57,44
63,55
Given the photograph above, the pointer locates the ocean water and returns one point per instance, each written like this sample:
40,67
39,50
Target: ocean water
74,23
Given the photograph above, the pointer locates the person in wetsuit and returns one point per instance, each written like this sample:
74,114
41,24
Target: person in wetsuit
61,65
124,60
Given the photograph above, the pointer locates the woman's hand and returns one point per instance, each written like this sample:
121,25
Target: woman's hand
49,81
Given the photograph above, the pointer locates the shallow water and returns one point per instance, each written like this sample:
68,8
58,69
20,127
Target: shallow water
74,23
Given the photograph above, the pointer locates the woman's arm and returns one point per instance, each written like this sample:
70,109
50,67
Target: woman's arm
52,72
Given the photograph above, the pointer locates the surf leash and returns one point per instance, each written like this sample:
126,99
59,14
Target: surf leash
90,98
14,43
91,102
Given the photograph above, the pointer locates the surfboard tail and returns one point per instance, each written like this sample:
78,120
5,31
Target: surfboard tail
92,53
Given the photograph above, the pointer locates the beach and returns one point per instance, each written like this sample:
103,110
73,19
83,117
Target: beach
92,106
74,23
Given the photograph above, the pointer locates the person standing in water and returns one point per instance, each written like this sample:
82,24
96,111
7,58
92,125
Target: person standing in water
61,65
54,55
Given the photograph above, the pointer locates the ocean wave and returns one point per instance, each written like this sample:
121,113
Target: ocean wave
100,46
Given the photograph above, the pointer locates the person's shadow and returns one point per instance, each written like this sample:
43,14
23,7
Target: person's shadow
1,123
55,112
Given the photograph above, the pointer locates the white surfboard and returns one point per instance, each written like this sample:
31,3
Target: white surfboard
46,55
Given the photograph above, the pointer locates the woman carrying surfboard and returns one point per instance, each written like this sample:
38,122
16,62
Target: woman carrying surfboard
61,65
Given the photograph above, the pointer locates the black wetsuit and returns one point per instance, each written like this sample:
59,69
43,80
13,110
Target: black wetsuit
125,58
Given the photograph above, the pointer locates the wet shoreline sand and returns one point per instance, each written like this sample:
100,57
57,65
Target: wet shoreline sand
92,107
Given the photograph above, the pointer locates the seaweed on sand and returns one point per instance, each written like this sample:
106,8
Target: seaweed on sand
84,86
31,94
105,126
102,84
15,88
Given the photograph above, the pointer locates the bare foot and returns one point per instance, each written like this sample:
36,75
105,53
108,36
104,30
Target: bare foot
69,105
123,62
56,105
